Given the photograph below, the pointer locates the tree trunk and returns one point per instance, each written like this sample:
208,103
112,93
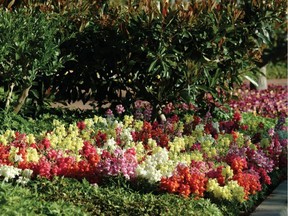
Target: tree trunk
22,99
9,96
262,80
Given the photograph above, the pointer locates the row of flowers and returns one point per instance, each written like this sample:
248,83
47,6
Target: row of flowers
270,102
192,156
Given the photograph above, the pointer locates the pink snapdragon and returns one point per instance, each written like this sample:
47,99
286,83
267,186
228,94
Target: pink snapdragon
120,109
120,162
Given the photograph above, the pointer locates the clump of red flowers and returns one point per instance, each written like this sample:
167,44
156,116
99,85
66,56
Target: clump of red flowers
185,181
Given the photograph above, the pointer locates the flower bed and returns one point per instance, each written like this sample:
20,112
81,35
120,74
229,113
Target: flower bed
271,102
188,157
225,161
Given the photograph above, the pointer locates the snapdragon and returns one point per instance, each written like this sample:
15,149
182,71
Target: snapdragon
156,165
10,173
231,191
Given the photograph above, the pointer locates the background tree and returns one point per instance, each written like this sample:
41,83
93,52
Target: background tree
30,50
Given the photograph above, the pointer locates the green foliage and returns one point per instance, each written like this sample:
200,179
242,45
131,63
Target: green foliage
64,196
277,70
194,53
42,122
30,53
254,122
17,200
118,199
147,50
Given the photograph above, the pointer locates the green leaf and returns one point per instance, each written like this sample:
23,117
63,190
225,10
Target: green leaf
152,66
251,80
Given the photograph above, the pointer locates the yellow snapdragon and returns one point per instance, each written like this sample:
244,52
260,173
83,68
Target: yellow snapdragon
100,120
265,142
237,191
240,139
3,140
227,172
152,143
86,135
111,132
7,137
13,153
60,131
130,144
179,126
66,140
72,129
199,131
252,146
184,158
138,124
190,141
196,156
188,118
32,155
54,139
224,140
30,138
140,150
231,191
223,143
211,152
157,149
72,143
128,121
177,145
89,122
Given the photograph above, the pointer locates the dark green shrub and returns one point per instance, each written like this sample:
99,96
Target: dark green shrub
194,53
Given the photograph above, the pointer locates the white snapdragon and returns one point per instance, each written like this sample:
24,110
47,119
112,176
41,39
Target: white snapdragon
206,138
126,136
110,145
10,173
156,166
25,176
216,126
118,124
199,127
18,158
22,180
27,173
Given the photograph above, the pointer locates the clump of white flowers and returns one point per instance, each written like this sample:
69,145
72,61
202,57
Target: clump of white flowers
10,173
156,165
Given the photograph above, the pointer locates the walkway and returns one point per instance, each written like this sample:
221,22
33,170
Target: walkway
275,204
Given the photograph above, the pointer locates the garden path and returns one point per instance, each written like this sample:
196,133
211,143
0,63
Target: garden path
275,204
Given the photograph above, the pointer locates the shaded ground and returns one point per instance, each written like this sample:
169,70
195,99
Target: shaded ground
91,104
